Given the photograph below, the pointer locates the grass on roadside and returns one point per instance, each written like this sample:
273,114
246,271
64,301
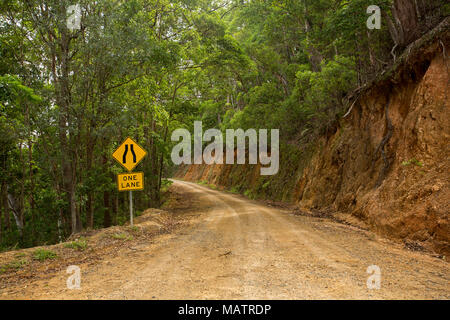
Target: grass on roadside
134,229
206,184
80,244
234,190
44,254
14,265
121,236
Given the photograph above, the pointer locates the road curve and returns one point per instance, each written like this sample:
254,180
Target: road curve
242,249
245,250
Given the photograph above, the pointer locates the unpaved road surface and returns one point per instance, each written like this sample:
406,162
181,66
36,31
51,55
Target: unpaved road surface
242,249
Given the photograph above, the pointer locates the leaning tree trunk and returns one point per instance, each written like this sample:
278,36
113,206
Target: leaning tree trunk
404,27
411,18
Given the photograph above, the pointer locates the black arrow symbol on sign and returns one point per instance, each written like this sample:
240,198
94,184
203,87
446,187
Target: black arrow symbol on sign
124,158
132,151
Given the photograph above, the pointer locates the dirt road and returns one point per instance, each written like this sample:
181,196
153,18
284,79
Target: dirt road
241,249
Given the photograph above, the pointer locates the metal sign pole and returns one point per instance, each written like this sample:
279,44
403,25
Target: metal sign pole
131,208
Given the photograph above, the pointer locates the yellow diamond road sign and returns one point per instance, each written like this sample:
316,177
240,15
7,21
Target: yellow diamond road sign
129,154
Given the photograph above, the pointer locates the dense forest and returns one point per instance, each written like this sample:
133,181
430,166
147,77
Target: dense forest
142,68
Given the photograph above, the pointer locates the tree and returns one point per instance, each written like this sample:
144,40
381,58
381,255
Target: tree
411,18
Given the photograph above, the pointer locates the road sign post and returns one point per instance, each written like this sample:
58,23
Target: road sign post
129,154
131,208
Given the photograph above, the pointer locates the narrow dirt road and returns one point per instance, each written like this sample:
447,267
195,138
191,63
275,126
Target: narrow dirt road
241,249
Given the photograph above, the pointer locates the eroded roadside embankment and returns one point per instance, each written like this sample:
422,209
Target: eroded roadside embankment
386,163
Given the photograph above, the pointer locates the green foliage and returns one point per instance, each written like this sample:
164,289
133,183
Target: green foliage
122,236
15,265
249,194
80,244
57,136
165,185
44,254
134,229
412,161
234,190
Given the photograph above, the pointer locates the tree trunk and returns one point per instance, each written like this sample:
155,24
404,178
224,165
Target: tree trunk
31,176
161,159
411,18
7,218
90,211
106,202
16,211
79,221
406,21
115,206
107,213
18,207
1,217
89,161
155,171
73,209
61,58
